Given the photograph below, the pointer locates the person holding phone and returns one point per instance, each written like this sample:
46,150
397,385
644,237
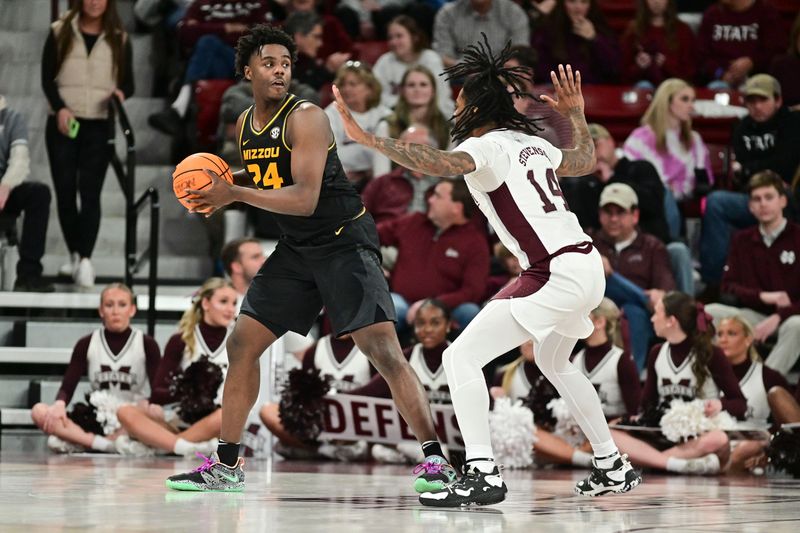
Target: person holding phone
88,38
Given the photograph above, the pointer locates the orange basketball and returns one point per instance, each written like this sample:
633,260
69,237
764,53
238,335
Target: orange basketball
189,174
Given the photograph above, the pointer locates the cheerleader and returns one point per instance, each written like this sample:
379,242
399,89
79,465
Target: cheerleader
116,358
342,362
766,391
687,367
203,331
610,368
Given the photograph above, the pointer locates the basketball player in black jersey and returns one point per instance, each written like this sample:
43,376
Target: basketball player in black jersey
328,255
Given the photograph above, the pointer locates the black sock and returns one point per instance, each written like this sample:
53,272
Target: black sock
432,447
228,452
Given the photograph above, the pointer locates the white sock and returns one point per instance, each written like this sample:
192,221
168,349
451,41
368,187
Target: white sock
480,457
102,444
181,103
606,461
183,447
676,464
581,458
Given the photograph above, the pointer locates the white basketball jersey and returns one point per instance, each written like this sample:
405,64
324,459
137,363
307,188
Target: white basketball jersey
680,382
520,385
435,383
752,385
605,379
123,374
351,373
516,187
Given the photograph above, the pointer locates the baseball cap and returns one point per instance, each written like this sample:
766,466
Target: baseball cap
598,132
619,194
762,85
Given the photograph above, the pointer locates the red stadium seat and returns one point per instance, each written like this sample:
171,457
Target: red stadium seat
369,51
208,97
618,13
618,108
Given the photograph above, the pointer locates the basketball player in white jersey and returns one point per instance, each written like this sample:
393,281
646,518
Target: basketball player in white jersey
511,174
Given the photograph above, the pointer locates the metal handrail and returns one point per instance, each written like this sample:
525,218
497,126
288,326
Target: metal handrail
126,174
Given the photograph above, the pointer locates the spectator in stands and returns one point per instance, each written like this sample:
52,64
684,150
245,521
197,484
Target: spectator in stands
577,33
762,274
305,27
460,23
161,423
337,358
335,39
583,196
209,30
687,366
368,19
657,45
666,139
116,358
537,11
88,37
758,383
242,259
766,139
408,47
635,263
737,38
362,94
401,191
441,255
555,128
17,195
417,104
786,66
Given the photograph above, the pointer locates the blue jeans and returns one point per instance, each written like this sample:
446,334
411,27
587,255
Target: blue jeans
725,210
633,301
462,315
672,214
211,59
682,268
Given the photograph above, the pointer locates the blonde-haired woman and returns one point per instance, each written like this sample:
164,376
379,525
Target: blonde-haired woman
202,331
88,38
666,139
766,391
361,91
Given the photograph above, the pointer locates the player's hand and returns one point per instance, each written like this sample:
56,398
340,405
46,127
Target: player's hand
55,418
351,127
568,91
766,327
208,201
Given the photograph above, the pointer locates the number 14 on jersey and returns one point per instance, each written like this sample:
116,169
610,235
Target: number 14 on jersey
555,190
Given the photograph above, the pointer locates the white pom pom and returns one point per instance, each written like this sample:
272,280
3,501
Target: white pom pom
106,406
566,426
687,419
513,433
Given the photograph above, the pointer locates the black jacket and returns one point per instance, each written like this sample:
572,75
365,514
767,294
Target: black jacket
773,145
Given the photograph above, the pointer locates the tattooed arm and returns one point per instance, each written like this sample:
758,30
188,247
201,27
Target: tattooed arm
580,160
417,157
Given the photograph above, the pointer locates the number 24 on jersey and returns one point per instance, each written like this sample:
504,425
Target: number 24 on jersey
270,179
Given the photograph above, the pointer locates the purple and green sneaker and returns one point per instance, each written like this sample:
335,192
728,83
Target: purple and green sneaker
434,473
211,476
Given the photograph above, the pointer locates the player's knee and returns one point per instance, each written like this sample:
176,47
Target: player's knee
240,350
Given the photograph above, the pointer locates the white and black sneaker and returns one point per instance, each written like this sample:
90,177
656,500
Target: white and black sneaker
474,488
620,477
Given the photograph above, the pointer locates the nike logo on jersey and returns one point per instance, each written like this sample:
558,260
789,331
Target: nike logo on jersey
338,231
245,142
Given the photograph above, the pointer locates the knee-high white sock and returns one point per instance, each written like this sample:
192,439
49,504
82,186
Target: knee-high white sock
181,103
102,444
552,356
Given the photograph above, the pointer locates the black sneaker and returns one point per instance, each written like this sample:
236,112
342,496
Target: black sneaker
167,121
211,476
474,488
434,473
621,477
33,285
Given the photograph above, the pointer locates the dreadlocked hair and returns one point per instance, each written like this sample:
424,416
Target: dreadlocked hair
261,35
488,91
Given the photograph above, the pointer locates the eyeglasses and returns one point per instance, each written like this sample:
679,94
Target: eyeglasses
356,64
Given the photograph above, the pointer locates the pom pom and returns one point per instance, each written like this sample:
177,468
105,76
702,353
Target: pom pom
513,433
649,418
542,391
302,407
565,427
196,389
85,416
106,405
784,452
687,419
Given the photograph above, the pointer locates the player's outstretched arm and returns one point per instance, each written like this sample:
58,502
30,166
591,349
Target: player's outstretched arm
417,157
580,160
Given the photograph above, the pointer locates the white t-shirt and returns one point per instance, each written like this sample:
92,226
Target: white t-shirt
355,157
515,185
390,70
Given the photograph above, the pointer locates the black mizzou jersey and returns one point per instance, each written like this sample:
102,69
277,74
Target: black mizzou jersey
267,158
